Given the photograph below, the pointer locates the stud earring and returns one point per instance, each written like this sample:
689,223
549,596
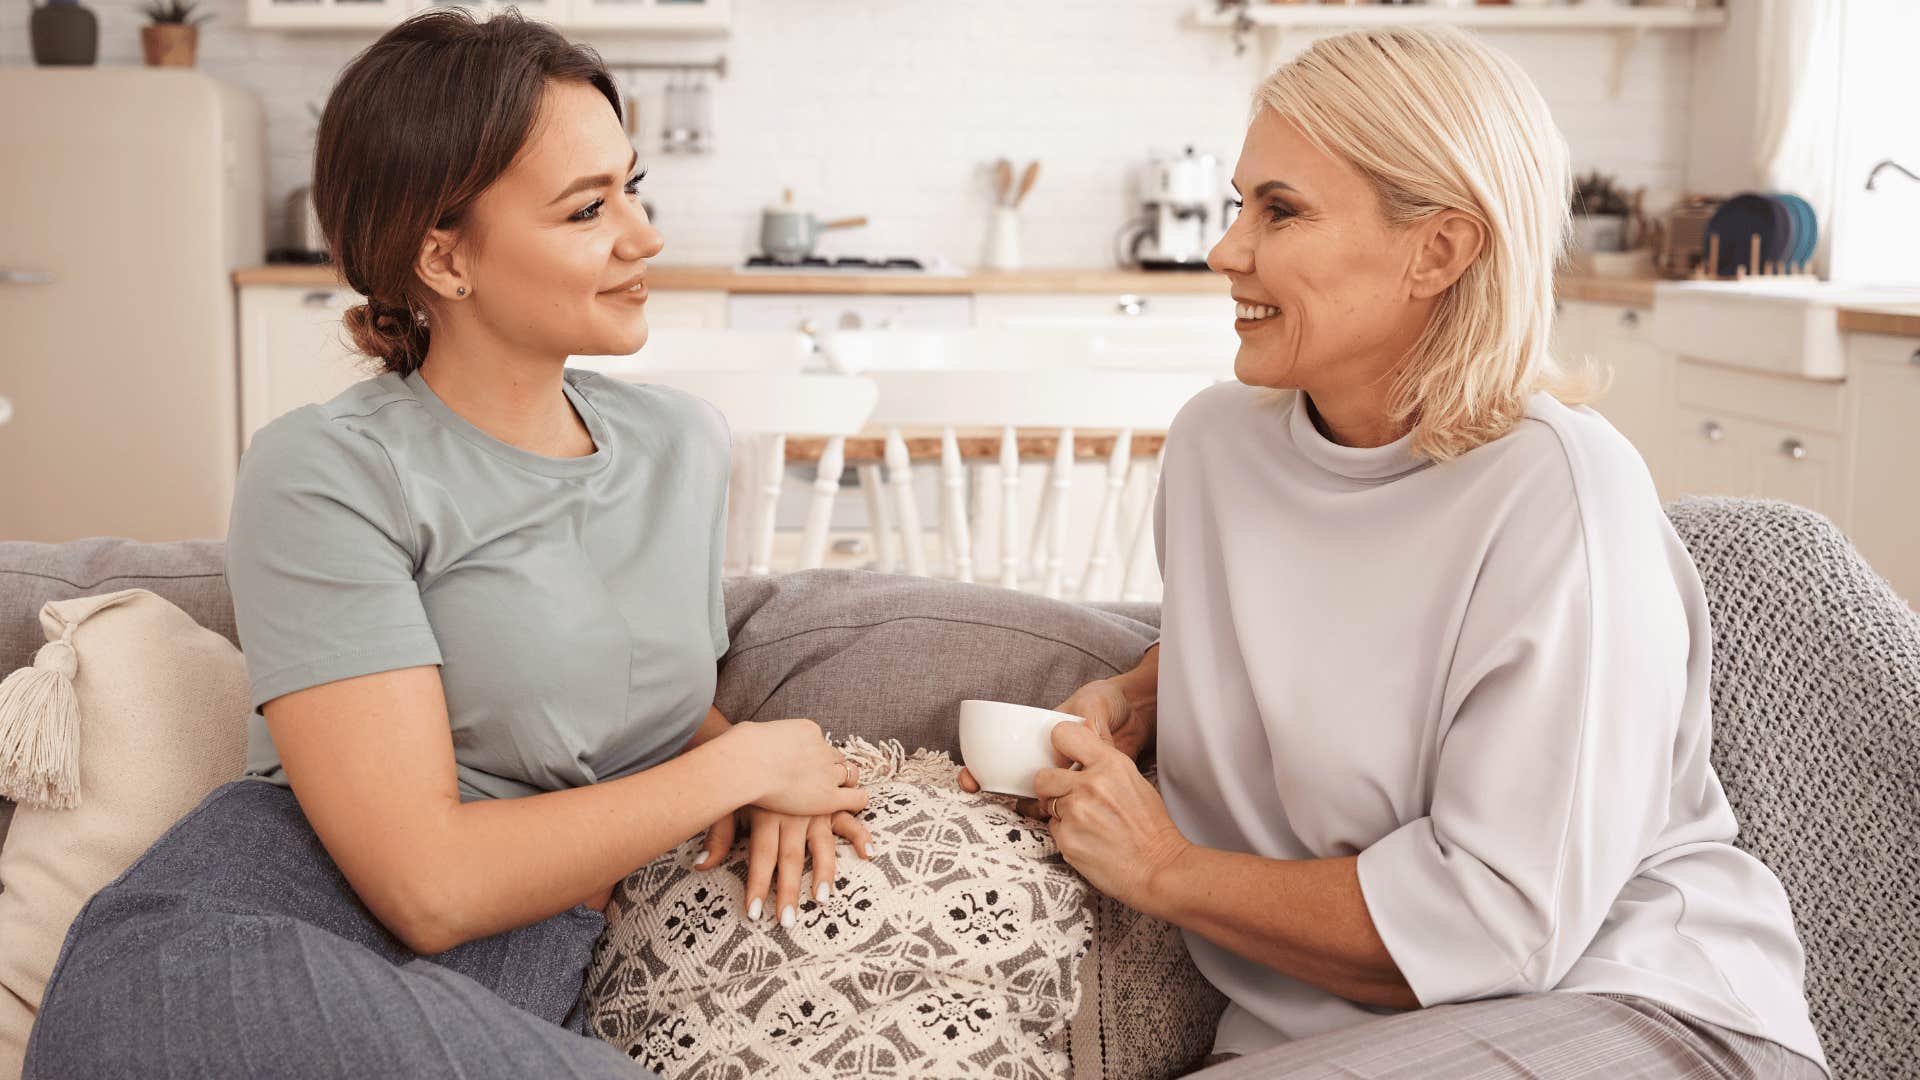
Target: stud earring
461,291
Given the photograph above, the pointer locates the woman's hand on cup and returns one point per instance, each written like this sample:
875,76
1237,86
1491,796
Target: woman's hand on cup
1102,708
1110,824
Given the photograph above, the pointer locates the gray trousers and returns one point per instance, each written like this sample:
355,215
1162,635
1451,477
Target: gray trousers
235,948
1551,1036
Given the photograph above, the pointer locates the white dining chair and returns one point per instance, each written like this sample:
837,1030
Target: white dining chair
1052,401
766,408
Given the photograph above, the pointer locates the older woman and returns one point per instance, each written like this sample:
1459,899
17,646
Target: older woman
1431,701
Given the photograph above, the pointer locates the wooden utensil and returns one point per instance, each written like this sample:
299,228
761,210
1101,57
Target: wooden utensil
1026,182
1002,180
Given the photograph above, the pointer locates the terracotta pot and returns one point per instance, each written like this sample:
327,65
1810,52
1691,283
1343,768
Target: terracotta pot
170,44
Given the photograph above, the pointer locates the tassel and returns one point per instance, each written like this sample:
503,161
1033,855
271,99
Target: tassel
40,730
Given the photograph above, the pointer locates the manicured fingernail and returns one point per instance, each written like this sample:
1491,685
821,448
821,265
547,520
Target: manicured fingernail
753,911
786,918
820,893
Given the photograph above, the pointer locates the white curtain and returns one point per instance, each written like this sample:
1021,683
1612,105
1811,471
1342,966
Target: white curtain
1798,80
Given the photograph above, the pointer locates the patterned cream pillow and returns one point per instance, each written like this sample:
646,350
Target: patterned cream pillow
954,952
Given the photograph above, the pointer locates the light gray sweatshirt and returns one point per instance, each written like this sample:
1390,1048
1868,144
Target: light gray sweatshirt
1488,678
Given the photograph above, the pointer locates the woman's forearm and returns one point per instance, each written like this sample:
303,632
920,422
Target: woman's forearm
565,847
1306,918
1141,687
714,726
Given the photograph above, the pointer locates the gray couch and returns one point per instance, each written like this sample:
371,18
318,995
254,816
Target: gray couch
1816,693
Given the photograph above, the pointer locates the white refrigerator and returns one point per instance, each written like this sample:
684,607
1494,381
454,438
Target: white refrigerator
128,196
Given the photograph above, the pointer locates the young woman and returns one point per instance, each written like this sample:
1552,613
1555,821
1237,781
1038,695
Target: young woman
1431,704
480,602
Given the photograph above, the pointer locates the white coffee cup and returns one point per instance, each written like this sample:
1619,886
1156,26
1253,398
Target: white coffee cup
1004,744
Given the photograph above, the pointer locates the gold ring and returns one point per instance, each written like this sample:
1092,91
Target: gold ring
853,772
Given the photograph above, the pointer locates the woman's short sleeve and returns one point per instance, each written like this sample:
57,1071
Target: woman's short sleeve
320,559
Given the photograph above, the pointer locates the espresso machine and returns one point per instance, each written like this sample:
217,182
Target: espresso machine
1184,212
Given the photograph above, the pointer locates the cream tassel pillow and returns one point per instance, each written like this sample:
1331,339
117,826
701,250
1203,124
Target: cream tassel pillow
128,717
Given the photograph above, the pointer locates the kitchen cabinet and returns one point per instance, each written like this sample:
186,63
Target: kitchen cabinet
1742,432
816,314
293,352
667,16
548,11
686,15
1724,453
326,14
1639,399
1103,310
1884,518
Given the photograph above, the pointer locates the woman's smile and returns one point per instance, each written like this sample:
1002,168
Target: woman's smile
633,290
1249,314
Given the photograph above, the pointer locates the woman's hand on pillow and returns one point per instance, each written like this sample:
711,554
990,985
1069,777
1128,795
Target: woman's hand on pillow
778,846
1104,710
1109,823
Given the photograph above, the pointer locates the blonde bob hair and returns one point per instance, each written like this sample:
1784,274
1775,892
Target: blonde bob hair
1436,121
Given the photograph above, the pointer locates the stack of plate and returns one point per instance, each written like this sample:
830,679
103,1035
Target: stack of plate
1784,224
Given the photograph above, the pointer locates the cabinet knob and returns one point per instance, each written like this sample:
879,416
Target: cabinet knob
1915,358
1713,431
851,320
1794,449
1629,318
6,409
1132,305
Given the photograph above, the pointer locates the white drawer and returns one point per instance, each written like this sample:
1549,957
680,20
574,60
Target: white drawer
1100,310
1884,350
1615,322
821,313
1723,454
1798,404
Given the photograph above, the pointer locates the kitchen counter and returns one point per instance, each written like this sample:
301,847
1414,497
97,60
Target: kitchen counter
1900,320
1631,291
1637,292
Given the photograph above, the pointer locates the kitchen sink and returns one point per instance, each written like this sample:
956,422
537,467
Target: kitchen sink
1784,327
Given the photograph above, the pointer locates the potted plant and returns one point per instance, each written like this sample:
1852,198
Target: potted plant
1600,211
172,35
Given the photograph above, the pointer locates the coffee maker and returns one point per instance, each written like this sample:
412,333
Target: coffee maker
1184,213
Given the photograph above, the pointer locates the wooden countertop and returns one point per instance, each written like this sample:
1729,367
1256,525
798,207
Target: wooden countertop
1900,320
1631,291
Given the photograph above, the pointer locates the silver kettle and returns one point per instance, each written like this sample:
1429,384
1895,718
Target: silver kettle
303,224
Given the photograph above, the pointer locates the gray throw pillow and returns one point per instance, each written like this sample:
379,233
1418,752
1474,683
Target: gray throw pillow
884,656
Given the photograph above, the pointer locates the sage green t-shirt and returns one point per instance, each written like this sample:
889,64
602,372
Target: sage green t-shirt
572,604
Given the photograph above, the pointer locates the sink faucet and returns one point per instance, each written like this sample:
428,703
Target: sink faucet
1889,163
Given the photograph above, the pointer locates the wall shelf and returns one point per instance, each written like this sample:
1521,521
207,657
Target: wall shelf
652,16
1273,22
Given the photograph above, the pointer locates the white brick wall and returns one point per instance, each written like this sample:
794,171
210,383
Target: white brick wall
895,109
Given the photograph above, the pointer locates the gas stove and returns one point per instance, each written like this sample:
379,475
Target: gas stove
840,264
